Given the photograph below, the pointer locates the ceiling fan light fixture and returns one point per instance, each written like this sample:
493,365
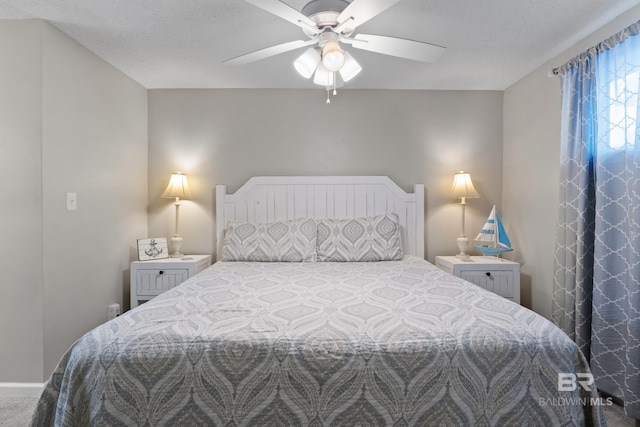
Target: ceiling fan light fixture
350,69
332,56
327,23
307,63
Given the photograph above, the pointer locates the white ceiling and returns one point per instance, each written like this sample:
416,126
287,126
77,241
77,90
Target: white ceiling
182,43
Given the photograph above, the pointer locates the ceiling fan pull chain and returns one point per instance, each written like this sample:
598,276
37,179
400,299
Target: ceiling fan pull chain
335,92
328,99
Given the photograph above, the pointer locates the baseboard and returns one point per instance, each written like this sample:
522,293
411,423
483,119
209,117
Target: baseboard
21,389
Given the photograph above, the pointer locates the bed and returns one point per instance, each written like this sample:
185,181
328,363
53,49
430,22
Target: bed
335,329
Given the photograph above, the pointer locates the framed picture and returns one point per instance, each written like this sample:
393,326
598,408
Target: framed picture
153,248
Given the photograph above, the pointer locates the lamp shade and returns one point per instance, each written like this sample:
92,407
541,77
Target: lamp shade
307,62
350,69
323,77
178,187
463,187
332,56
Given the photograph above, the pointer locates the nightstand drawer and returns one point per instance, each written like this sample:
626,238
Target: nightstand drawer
151,278
156,281
497,281
496,275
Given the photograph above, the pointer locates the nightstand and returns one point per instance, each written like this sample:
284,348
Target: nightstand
497,275
151,278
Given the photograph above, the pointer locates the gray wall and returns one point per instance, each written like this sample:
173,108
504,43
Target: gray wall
227,136
21,343
532,167
69,122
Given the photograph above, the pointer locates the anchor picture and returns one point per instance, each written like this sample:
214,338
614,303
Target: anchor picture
153,248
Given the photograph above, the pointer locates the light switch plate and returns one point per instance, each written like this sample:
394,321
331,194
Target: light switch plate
72,201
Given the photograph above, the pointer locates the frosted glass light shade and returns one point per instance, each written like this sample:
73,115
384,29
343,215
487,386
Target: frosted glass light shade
307,63
323,77
178,187
332,56
350,69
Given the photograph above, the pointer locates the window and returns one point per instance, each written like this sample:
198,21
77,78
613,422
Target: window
623,111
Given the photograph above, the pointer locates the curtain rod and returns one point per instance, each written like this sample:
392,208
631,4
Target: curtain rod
610,43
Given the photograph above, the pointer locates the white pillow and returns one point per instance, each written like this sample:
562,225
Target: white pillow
284,241
359,239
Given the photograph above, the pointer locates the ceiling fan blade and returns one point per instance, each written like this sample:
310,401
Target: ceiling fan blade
287,13
269,51
403,48
360,11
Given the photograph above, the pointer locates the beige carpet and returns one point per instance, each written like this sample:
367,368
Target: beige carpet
16,412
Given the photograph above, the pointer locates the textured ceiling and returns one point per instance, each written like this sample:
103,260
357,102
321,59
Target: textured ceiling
183,43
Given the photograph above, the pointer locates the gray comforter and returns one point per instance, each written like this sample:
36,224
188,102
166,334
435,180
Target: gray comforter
386,343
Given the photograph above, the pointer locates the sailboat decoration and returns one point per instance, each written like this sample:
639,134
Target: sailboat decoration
494,238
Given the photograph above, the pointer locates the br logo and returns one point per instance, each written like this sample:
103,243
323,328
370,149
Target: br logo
570,381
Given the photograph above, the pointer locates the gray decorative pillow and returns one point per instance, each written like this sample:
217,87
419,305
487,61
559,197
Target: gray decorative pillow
284,241
359,239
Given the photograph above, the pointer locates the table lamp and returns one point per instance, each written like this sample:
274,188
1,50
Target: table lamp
463,188
178,187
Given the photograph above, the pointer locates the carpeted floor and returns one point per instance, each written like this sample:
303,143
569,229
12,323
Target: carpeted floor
16,412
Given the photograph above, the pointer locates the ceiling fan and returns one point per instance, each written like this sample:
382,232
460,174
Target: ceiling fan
328,24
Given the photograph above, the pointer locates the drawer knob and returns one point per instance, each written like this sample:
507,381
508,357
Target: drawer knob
488,273
162,272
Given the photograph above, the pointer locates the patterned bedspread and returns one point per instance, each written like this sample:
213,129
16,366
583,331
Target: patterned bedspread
384,343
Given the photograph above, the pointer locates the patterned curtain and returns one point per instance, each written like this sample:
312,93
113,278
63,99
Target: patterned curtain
596,297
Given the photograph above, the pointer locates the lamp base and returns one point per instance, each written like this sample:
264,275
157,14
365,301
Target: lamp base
176,245
463,244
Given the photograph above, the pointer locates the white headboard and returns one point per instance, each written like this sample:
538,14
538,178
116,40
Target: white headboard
278,198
